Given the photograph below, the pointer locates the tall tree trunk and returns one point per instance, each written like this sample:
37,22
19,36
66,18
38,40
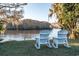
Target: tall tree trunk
72,34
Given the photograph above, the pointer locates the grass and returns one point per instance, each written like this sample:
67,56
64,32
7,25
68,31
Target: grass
26,48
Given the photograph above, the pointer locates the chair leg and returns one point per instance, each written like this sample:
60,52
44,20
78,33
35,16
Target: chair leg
67,45
37,46
55,45
49,45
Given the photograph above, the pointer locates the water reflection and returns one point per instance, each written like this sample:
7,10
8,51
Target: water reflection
25,35
19,35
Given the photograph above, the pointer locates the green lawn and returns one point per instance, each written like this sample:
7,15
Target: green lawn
26,48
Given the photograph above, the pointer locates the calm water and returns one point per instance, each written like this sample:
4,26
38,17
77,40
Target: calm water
19,35
24,35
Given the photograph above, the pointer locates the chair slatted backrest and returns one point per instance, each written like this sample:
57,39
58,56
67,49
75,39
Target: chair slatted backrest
44,34
62,34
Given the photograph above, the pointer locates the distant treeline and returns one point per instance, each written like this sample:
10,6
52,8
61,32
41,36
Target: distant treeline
29,24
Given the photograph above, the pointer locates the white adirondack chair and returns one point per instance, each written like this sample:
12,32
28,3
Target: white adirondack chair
43,38
61,39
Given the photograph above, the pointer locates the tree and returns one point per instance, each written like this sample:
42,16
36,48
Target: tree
67,14
9,13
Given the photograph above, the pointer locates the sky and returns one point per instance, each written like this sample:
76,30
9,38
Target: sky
37,11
